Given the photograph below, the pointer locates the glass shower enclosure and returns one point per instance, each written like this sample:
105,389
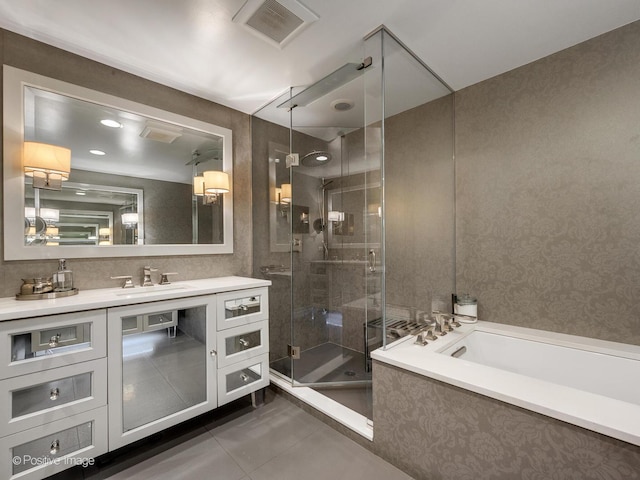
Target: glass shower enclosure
321,206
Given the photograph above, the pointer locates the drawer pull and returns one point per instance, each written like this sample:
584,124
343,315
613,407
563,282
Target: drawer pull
55,447
213,353
54,341
54,393
244,377
243,342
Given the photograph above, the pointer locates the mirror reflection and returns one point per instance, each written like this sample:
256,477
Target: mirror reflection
101,172
119,146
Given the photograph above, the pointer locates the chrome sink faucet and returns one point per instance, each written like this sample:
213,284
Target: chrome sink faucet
146,280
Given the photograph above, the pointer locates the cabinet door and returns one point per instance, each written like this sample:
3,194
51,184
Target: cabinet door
42,451
241,307
240,343
35,344
31,400
164,373
242,378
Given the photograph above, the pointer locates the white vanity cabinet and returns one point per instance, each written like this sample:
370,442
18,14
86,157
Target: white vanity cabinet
87,374
163,372
53,393
243,343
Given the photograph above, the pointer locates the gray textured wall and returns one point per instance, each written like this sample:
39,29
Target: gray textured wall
419,196
548,188
31,55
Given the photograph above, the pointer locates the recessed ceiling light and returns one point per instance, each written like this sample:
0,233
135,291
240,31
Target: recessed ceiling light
97,152
342,105
81,193
111,123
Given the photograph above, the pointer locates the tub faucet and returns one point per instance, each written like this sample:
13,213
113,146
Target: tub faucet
146,280
424,335
442,324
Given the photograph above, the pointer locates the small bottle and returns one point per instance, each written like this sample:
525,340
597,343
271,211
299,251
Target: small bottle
63,278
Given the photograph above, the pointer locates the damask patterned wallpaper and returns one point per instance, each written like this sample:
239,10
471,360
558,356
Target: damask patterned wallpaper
548,191
433,430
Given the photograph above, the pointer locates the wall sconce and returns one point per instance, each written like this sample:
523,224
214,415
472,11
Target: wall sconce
49,165
104,234
285,193
210,185
50,215
130,220
335,216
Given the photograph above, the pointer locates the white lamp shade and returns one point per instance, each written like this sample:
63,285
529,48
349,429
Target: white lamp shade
45,158
198,185
130,218
285,193
216,182
104,231
50,215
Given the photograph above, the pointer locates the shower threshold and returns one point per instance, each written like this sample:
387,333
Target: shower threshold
328,406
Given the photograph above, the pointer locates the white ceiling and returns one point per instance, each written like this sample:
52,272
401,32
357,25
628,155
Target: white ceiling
194,46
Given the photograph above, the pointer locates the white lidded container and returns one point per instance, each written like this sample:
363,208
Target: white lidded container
465,304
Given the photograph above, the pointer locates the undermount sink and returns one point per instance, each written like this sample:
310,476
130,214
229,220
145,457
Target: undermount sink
126,292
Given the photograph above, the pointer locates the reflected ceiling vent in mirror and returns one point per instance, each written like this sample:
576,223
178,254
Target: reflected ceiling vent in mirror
276,22
161,133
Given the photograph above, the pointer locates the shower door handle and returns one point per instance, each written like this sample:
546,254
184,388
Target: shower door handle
372,261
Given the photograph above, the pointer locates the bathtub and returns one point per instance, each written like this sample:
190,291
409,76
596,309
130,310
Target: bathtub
590,383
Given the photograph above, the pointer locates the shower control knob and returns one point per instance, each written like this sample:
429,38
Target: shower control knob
213,353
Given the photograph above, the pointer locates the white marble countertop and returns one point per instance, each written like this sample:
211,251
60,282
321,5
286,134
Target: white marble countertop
12,309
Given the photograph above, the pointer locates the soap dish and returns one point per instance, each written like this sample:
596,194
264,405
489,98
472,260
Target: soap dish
46,296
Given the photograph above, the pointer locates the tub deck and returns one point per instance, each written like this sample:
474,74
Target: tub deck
601,409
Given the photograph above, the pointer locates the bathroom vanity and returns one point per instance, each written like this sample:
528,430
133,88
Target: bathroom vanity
84,375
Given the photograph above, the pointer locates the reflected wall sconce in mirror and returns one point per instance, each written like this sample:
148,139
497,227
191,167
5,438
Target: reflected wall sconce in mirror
285,193
130,220
104,234
49,165
210,185
284,198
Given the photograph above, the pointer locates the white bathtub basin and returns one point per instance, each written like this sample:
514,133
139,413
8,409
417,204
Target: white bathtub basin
587,382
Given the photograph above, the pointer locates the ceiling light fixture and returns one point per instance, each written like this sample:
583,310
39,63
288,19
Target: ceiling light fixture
111,123
97,152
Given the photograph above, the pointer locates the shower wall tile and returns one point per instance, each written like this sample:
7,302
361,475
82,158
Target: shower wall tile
431,429
547,185
28,54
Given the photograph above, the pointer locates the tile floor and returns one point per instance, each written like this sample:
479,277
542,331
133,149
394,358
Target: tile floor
275,441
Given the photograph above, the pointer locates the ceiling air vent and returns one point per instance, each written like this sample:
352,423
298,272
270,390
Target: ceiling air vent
277,22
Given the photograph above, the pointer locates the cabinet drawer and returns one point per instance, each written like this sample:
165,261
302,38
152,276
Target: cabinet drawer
240,343
242,378
31,400
55,446
242,307
40,343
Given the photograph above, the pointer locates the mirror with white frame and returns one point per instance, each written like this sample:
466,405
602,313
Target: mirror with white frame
137,188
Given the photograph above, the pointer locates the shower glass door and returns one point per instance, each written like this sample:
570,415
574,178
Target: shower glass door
335,231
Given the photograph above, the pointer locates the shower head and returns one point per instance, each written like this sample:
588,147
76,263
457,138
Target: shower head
316,158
